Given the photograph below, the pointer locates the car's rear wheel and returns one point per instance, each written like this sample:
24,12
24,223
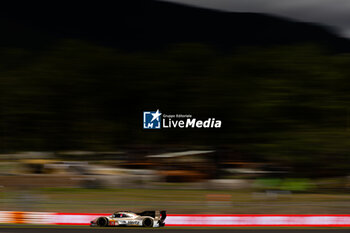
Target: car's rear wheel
102,222
147,222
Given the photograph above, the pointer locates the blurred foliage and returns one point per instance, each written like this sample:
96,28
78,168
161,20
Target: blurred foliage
289,184
286,104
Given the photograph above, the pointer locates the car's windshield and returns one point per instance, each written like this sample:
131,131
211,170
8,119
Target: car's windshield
119,215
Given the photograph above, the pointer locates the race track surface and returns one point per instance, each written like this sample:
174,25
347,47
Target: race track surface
43,229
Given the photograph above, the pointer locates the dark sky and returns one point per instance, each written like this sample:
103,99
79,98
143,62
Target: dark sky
335,13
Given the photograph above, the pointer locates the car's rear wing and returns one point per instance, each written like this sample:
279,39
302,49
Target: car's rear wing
162,218
162,215
153,213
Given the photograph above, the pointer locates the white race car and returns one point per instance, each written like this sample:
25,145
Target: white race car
151,218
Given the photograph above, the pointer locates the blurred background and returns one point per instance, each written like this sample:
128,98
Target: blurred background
75,79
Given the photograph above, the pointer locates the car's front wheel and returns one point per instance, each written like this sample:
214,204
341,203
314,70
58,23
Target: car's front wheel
102,222
147,222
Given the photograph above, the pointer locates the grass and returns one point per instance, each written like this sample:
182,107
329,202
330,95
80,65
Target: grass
174,200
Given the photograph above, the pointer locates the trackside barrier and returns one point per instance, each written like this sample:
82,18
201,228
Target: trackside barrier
259,220
17,217
186,220
6,216
75,219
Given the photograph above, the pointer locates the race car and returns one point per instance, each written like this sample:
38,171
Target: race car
150,218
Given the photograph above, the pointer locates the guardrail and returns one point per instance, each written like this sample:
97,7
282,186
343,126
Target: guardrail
47,218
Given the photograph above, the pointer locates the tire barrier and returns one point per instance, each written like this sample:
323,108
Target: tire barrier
46,218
